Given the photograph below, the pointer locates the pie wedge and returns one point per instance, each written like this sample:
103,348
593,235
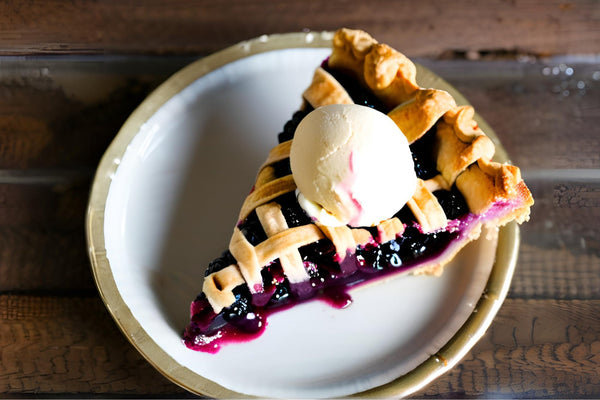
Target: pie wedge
279,256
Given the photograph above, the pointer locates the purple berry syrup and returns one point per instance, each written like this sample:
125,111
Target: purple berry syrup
208,332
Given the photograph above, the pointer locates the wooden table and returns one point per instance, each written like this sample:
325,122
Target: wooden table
71,74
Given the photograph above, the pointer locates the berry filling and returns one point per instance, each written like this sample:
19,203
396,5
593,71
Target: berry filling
329,278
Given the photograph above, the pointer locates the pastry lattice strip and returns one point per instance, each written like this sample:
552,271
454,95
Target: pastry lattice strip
460,144
282,241
427,106
463,154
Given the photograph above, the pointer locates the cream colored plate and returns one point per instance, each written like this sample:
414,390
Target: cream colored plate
164,202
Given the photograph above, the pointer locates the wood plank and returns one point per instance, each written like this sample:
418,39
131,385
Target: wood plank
63,114
543,111
43,200
202,26
42,234
547,273
44,260
57,345
534,348
560,245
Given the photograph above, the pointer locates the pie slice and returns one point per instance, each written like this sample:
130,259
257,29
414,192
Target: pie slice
280,254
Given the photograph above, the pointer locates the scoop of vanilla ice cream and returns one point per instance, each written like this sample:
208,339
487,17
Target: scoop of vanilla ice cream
352,166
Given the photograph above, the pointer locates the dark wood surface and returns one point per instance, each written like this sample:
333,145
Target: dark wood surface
71,73
423,28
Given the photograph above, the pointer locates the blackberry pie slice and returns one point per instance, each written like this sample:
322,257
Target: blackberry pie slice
374,176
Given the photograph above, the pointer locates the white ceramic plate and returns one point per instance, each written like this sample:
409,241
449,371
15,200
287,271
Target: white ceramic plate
165,200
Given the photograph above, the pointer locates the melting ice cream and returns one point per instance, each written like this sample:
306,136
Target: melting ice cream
352,166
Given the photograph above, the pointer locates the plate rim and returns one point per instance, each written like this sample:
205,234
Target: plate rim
437,364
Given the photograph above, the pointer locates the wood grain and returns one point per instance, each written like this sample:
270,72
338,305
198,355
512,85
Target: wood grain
529,67
44,260
542,110
560,248
41,231
53,118
69,346
534,348
202,26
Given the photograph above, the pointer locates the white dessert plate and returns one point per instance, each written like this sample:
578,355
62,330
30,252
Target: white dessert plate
165,200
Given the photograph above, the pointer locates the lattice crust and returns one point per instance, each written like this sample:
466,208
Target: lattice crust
325,90
462,152
459,141
282,242
486,183
350,48
416,116
426,209
266,172
273,222
389,74
389,230
218,287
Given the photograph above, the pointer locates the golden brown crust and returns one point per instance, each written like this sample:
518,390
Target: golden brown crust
273,221
247,260
341,237
462,121
325,90
389,229
387,72
251,259
486,182
219,285
426,209
292,238
265,193
462,152
349,49
266,172
278,153
459,144
361,237
417,115
390,75
437,268
436,183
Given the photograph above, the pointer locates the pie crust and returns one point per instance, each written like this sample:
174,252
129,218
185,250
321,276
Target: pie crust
495,193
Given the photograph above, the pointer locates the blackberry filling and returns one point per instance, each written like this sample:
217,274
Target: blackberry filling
247,283
358,94
245,315
425,166
241,314
290,126
406,215
219,263
252,229
293,213
452,201
282,168
414,244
